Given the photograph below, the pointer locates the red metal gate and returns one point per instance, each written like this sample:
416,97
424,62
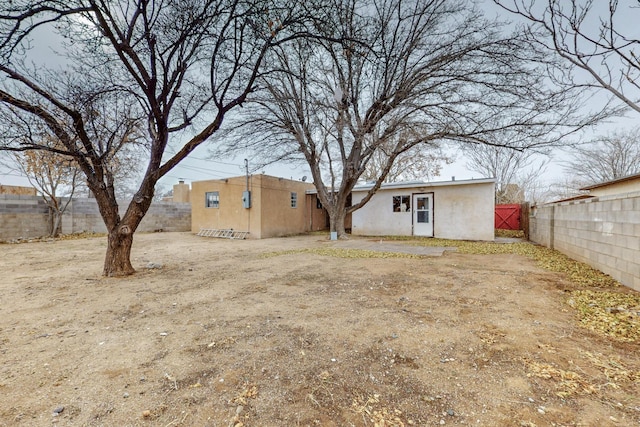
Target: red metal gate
508,217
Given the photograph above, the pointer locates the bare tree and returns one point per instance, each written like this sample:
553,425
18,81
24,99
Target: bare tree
536,190
597,38
391,75
613,156
421,162
515,170
563,188
56,178
181,66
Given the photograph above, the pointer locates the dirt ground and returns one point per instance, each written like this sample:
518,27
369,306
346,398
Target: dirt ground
222,335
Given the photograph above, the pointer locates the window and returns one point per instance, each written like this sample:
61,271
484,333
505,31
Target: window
212,199
294,200
422,210
401,203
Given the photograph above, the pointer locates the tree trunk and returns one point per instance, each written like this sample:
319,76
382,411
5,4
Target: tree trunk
117,261
336,222
50,222
56,223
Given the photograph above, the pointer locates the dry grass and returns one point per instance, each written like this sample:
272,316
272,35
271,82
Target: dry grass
509,233
608,310
74,236
614,314
549,259
379,416
615,371
566,383
342,253
610,373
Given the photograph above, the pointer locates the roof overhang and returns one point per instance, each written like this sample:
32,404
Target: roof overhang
423,184
613,181
417,184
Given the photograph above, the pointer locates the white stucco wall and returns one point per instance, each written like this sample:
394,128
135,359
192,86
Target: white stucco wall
377,218
462,210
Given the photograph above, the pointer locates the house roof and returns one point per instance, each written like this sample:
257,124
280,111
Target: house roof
244,177
414,184
613,181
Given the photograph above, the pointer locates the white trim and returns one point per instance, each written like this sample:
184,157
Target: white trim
422,184
418,185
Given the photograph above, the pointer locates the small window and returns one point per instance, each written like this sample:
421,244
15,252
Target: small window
212,199
294,200
401,203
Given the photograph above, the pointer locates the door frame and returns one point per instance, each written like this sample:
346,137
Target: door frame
431,195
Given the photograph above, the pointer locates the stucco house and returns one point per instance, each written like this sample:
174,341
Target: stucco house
462,210
263,205
17,190
627,184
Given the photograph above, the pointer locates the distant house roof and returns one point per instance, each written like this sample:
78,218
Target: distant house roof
611,182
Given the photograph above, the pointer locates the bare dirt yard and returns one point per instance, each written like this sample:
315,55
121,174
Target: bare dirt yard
300,331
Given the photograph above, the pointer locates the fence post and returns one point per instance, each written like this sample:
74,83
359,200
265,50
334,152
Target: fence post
552,226
525,212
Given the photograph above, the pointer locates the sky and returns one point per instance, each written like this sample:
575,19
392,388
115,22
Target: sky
201,166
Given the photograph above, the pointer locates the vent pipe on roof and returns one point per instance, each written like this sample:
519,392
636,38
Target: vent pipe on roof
453,178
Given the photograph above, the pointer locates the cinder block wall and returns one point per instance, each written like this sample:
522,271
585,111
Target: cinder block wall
22,216
540,225
603,232
26,216
85,217
167,216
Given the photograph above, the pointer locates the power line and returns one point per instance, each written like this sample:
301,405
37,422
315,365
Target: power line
204,170
205,160
13,174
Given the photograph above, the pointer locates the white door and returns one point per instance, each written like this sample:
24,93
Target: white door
423,215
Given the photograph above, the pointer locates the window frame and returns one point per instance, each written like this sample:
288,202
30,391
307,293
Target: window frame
214,201
294,200
397,201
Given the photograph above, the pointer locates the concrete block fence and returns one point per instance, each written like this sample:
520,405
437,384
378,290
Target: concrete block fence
27,216
603,232
22,216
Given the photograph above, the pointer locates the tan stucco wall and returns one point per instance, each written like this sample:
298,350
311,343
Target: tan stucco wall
619,188
14,189
460,211
270,213
230,214
278,217
181,193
